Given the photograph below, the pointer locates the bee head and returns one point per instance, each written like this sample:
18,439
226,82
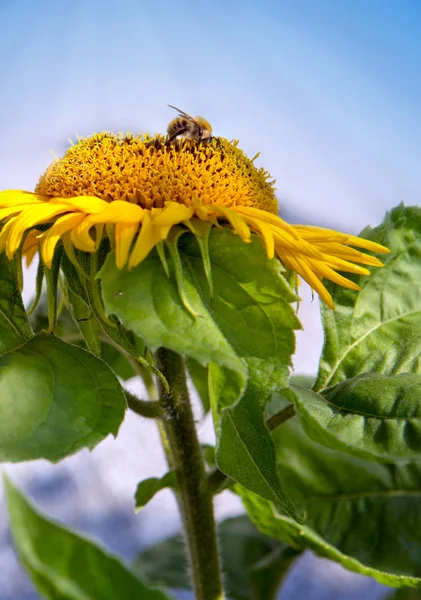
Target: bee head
206,128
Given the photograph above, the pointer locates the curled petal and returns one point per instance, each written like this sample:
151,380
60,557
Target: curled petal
118,211
81,237
56,231
29,218
124,236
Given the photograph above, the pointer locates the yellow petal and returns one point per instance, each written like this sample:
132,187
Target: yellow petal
291,244
30,246
367,244
124,235
10,210
52,236
118,211
27,219
267,217
301,266
238,223
343,265
4,235
172,214
13,197
348,253
86,204
313,233
156,225
99,230
147,239
324,270
81,238
266,232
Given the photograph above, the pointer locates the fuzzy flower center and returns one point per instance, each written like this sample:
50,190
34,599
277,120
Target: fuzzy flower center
149,171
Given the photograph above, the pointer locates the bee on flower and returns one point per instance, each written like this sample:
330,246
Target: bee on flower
195,129
135,189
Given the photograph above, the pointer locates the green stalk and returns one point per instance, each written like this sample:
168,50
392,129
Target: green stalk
193,495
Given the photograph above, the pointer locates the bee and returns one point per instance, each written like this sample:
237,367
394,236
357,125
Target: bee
196,129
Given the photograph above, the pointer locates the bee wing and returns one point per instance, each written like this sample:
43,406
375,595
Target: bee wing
184,114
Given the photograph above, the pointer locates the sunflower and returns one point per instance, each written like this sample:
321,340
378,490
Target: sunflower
134,189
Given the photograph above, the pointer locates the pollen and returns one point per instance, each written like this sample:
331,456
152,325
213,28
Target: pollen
149,171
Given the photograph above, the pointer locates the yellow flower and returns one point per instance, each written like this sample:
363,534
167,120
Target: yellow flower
134,189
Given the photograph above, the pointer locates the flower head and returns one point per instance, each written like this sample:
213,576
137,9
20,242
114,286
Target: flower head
134,189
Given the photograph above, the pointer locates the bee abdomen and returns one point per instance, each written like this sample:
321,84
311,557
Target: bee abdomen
177,127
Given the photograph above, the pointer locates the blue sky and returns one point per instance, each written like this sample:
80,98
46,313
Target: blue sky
329,92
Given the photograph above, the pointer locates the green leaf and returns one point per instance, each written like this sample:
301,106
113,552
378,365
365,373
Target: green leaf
361,514
252,307
67,329
378,329
65,566
246,452
372,416
164,564
249,321
147,488
148,303
55,399
253,564
14,326
251,304
117,361
86,322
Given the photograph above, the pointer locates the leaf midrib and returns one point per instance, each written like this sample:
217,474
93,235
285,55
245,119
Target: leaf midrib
360,339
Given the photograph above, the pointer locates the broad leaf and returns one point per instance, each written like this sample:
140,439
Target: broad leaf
364,515
67,330
253,564
148,303
55,399
14,327
379,328
147,488
251,304
119,363
64,565
372,416
86,322
248,320
247,454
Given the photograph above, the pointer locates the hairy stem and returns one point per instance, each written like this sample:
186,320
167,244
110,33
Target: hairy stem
150,409
193,495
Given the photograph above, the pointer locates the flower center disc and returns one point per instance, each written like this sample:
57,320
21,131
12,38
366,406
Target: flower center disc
149,171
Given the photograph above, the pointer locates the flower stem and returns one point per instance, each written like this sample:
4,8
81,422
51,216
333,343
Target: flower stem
150,409
193,496
280,417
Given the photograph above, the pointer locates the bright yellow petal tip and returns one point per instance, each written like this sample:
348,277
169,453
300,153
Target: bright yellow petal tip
134,189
